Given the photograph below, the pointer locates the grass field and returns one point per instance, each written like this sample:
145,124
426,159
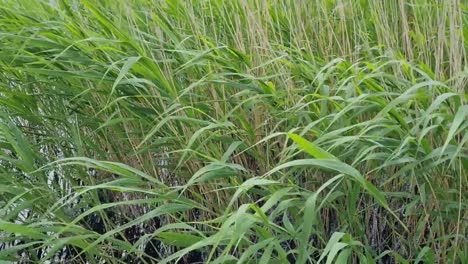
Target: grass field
246,131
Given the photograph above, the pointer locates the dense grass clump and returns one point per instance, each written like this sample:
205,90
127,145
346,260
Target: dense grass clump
263,131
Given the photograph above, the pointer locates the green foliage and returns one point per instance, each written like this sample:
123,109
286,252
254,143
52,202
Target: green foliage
233,131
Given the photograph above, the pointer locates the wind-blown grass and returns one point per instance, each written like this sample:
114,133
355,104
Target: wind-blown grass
233,131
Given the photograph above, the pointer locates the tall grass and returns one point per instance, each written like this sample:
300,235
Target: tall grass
233,131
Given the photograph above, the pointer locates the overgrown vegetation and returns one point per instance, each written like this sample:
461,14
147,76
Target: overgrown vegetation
233,131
